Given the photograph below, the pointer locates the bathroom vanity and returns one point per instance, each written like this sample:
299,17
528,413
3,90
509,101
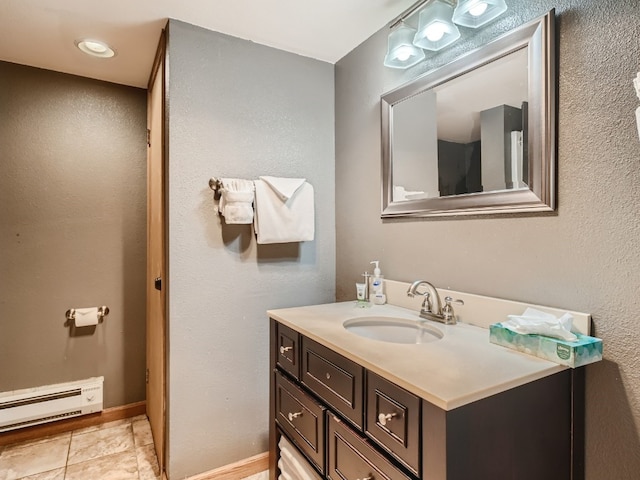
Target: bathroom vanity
455,408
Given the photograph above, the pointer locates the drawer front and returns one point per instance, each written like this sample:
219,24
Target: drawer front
334,378
393,420
302,418
288,350
351,457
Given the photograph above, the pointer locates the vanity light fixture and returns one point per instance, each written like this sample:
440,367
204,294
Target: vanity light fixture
402,53
436,29
95,48
475,13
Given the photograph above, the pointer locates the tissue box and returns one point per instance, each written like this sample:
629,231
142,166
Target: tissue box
573,354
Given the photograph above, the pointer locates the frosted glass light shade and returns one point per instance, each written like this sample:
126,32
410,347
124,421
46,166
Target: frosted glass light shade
435,28
402,53
475,13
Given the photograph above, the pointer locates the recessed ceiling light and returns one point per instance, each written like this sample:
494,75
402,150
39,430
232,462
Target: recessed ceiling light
95,48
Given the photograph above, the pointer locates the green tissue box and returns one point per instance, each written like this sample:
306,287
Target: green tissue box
583,351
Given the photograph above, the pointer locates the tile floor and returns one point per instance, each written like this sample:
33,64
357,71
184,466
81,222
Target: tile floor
120,450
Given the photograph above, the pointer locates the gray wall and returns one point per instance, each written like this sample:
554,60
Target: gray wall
586,258
72,230
237,109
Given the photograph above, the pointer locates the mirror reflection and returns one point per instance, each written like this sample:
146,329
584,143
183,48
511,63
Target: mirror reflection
466,135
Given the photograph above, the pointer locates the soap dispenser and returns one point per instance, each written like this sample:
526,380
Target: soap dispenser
377,295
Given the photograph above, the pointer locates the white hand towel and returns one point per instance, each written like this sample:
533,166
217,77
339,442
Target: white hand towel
284,187
284,210
236,201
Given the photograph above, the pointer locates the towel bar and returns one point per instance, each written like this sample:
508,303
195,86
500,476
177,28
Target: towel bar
215,184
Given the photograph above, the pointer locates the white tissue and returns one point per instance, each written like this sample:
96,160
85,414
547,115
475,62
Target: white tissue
85,317
541,323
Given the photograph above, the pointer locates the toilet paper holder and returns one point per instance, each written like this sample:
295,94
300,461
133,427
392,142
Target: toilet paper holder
102,312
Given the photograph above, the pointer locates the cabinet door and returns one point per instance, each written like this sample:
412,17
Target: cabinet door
351,457
302,419
393,420
288,350
335,379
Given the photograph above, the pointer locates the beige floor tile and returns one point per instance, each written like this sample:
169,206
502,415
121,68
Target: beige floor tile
34,457
120,466
142,433
37,441
57,474
147,463
138,418
95,428
100,443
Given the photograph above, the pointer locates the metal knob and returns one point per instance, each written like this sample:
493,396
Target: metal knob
285,349
370,477
383,418
291,416
447,311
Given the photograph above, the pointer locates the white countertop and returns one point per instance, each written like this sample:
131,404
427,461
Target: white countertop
459,369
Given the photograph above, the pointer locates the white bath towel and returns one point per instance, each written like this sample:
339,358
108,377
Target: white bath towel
236,200
292,464
284,210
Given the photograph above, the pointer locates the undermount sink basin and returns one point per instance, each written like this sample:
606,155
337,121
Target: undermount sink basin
393,330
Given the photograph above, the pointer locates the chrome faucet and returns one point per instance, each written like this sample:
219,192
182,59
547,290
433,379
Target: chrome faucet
436,312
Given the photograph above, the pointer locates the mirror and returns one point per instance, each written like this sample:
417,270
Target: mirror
478,135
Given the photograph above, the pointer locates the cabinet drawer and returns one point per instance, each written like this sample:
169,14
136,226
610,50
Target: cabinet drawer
288,350
334,378
393,420
352,458
302,418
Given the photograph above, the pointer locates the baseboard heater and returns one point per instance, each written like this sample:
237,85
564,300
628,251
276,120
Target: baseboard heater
33,406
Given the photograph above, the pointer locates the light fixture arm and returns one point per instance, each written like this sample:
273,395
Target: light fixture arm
413,9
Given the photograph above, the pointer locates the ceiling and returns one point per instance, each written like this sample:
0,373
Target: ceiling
42,33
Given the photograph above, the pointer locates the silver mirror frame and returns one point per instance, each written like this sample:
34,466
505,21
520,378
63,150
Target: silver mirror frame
539,37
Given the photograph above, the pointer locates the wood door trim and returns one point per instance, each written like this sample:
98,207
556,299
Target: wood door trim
158,80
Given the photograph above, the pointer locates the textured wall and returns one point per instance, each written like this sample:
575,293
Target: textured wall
237,109
585,258
72,230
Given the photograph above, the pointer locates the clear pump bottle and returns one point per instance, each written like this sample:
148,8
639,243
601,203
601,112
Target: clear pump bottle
377,295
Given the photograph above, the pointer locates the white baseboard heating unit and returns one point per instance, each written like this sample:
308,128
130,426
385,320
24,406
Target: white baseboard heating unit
32,406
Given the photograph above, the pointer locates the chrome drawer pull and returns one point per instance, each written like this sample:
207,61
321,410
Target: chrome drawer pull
328,375
384,418
285,349
366,478
291,416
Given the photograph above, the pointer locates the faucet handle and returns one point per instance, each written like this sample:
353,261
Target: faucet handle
426,303
447,310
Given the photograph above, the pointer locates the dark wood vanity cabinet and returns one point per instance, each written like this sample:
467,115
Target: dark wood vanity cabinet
352,424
